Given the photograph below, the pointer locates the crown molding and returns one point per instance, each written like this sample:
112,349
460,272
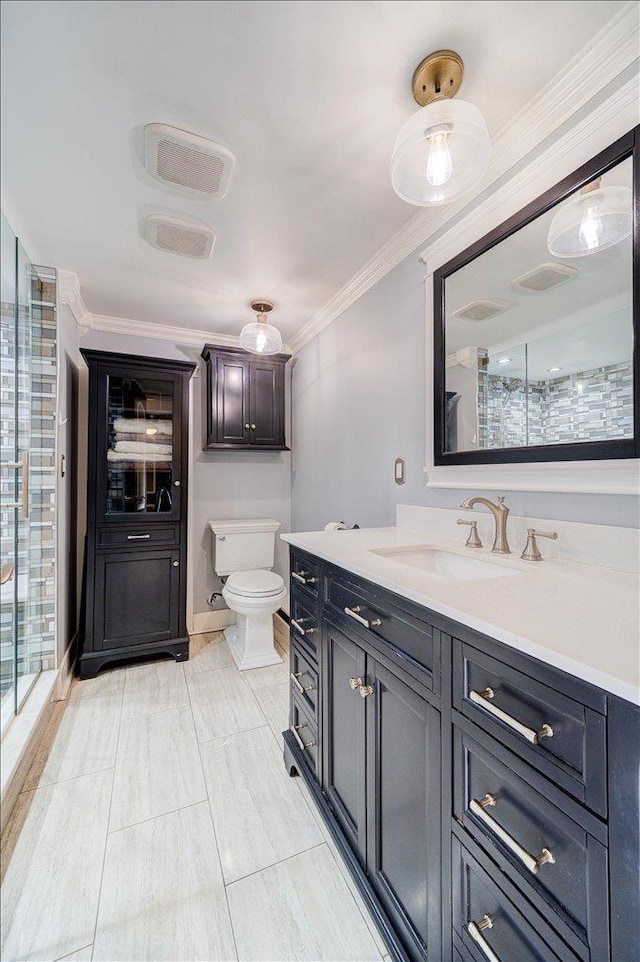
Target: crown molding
70,295
592,76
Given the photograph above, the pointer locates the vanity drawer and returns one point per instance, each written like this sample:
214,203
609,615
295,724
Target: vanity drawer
305,732
137,535
490,925
376,615
556,860
304,680
304,621
305,573
557,734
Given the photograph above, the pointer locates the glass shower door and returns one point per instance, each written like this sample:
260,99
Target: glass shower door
16,669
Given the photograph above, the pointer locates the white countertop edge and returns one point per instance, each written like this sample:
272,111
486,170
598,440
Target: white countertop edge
582,670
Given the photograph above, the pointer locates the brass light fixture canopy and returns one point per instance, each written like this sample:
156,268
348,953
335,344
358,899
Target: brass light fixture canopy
261,306
438,76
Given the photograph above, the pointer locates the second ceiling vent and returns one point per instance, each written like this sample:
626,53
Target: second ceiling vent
184,160
176,236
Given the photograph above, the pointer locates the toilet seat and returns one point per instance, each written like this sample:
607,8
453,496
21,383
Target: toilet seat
254,584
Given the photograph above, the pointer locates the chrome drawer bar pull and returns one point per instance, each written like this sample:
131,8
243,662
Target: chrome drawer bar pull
532,862
138,537
302,578
480,698
302,745
294,678
298,626
476,929
355,614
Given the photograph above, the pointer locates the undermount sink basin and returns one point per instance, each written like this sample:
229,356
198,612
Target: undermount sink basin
447,564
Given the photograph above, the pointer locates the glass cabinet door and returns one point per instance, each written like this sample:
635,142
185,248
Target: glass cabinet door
142,460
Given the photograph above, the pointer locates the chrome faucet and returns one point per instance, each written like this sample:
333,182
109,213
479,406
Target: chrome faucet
500,514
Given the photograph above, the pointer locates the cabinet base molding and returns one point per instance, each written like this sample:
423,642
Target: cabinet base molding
296,764
89,664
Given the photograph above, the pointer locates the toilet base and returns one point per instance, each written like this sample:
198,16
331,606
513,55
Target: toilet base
251,644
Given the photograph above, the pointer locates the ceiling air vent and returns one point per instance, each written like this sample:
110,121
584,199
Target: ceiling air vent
185,160
184,237
544,277
480,310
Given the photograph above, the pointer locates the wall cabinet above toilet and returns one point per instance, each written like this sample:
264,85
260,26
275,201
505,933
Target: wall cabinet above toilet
245,400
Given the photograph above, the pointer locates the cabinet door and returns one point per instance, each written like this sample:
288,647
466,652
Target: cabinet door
136,447
403,809
266,394
344,734
232,400
137,598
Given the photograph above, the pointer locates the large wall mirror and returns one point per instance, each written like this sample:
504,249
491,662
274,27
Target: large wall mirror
536,327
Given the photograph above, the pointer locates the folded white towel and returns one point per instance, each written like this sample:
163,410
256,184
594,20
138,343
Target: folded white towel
145,426
142,447
148,458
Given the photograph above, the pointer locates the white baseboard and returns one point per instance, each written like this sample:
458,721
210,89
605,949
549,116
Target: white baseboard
204,621
65,672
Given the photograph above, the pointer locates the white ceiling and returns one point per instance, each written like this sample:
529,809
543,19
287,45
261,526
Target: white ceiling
309,95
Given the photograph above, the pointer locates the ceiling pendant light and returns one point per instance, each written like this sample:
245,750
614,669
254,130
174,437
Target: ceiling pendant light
593,220
258,336
443,150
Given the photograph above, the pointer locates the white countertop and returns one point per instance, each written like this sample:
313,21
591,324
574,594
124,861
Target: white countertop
580,618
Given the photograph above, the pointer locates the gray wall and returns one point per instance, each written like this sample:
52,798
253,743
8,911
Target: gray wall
358,401
223,485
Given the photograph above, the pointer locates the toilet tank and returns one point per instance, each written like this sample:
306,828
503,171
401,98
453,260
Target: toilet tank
243,545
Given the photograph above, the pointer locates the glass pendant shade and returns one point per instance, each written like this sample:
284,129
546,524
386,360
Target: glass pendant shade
260,338
591,221
441,153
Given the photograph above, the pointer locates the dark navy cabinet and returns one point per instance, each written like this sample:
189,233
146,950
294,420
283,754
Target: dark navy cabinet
485,804
245,399
134,594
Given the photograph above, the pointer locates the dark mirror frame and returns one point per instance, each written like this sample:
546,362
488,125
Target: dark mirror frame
627,146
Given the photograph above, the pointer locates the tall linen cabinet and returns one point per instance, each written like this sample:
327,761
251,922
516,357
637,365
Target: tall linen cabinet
134,585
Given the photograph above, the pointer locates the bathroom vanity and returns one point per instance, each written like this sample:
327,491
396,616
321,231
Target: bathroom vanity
480,780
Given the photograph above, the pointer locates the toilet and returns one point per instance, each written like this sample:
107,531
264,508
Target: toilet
243,554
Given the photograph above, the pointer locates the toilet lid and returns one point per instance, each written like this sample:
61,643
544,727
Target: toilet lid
255,583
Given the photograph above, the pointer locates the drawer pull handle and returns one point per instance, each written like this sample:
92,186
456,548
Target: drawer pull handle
138,537
294,678
355,614
532,862
302,745
303,578
476,929
298,626
480,698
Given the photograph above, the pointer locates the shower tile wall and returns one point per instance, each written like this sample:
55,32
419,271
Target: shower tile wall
590,405
36,608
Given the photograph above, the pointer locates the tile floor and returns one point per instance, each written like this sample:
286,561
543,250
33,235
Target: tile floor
159,824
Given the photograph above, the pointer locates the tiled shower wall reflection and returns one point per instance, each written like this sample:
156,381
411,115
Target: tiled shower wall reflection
37,402
589,406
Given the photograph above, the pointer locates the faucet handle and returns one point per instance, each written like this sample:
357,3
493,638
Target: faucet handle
531,551
473,541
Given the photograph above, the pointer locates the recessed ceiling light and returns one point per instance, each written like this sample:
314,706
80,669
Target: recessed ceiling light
504,360
552,370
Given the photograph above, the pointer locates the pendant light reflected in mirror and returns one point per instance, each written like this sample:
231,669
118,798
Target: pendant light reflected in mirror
592,220
443,150
258,337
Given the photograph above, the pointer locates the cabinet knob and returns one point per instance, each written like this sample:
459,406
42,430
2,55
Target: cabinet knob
253,427
355,683
247,426
176,484
366,690
176,564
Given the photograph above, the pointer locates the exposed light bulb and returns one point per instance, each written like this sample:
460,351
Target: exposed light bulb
439,165
261,342
590,229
